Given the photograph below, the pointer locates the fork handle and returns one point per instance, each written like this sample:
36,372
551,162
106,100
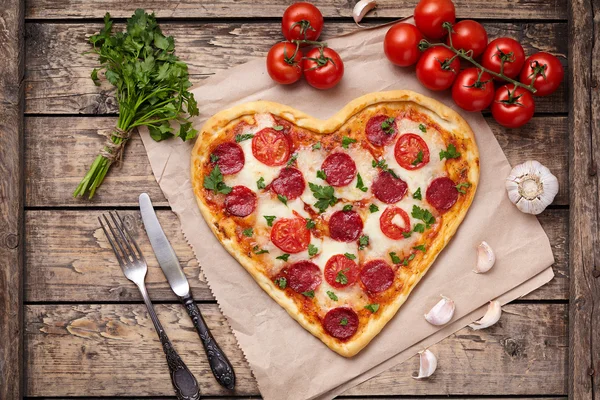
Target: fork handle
219,364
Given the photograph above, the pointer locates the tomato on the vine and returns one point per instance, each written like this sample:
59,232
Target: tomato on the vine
302,21
431,14
473,89
284,63
504,50
401,44
437,68
548,72
512,107
323,68
469,35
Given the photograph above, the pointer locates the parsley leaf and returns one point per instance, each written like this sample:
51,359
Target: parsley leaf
347,141
419,158
321,174
310,223
316,146
350,256
240,138
347,207
388,126
407,234
395,258
372,307
283,257
363,242
270,219
310,293
278,127
312,250
214,181
324,195
214,158
373,208
420,247
419,228
258,250
384,167
449,153
417,195
423,215
281,282
292,160
282,199
344,321
341,277
332,295
360,184
422,128
260,183
461,185
247,232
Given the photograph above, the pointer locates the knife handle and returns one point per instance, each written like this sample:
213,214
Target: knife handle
219,364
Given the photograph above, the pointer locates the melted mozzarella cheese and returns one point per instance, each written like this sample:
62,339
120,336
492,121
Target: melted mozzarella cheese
362,158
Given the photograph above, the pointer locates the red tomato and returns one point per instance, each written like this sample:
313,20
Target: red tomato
389,228
506,49
323,68
284,63
469,35
435,70
401,44
340,263
512,108
548,72
407,151
302,21
290,235
472,92
431,14
271,147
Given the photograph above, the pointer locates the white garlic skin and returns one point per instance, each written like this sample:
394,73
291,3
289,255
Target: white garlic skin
362,8
485,258
531,187
427,364
492,315
442,312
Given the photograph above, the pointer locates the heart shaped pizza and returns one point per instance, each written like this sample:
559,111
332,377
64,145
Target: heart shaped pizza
337,220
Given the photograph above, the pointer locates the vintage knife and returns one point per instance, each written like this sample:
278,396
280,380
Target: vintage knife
167,259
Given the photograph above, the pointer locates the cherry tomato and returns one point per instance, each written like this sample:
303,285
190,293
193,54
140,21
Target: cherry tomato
506,49
435,70
512,108
407,151
323,68
469,35
471,91
389,227
347,267
401,44
271,147
302,21
431,14
284,63
548,72
290,235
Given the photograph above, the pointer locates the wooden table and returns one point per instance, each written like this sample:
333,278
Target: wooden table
71,325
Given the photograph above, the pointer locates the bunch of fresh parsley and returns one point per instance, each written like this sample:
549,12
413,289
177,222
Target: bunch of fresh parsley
151,87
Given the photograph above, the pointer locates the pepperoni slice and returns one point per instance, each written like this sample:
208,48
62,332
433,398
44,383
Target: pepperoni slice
377,276
347,267
407,151
271,147
388,222
290,235
290,183
339,169
388,189
240,202
230,157
304,276
345,226
341,323
442,194
375,133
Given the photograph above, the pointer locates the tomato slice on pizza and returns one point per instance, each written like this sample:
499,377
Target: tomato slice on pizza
337,220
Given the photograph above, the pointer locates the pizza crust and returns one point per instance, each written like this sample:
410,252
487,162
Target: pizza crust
452,219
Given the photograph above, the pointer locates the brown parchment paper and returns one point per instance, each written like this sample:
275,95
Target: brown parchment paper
287,361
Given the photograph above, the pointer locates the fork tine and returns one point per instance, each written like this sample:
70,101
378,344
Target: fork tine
131,238
112,244
116,238
119,228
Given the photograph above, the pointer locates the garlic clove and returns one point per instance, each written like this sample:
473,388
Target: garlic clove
441,313
427,364
361,9
531,187
485,258
492,315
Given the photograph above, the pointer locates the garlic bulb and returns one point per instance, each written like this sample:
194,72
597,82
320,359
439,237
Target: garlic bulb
428,364
532,187
492,315
441,313
485,258
361,9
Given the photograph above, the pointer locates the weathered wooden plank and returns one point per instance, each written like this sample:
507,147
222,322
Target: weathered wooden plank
584,240
522,9
52,172
68,259
112,350
58,73
11,198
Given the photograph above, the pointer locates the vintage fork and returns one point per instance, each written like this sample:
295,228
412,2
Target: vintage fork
134,267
